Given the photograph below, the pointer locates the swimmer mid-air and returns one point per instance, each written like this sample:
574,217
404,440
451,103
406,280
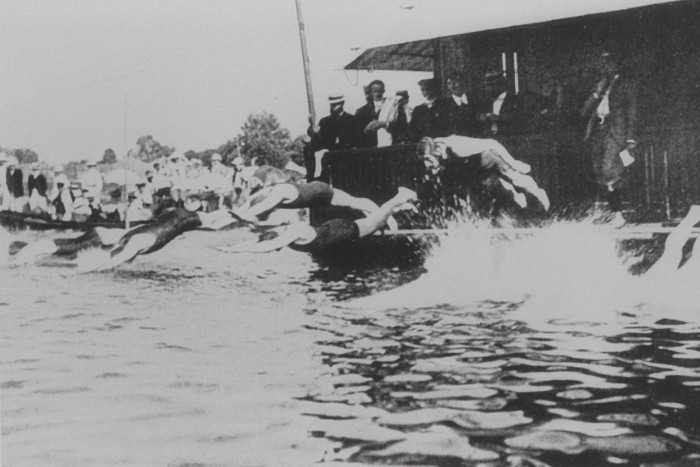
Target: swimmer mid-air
299,196
125,245
303,237
494,157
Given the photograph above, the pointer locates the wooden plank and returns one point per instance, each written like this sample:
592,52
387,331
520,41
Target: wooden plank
635,232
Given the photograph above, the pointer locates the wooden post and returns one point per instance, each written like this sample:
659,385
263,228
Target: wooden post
667,198
307,71
126,170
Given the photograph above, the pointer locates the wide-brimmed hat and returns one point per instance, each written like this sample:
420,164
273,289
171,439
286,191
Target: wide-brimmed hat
336,98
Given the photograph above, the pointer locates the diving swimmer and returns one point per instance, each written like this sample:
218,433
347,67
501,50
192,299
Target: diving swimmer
513,174
672,256
303,237
299,196
126,245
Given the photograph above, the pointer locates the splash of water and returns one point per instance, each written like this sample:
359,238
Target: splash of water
565,270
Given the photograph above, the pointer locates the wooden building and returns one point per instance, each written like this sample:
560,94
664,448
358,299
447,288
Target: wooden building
659,45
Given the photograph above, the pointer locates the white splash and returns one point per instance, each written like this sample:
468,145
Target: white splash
565,270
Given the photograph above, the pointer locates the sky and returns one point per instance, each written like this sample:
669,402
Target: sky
80,76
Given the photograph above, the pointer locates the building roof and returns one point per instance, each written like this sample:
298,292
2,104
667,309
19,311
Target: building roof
417,55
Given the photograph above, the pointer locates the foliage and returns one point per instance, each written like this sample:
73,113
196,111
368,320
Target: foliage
148,149
109,156
24,156
265,140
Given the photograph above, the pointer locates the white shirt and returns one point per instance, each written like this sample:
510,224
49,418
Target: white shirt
498,103
460,100
378,105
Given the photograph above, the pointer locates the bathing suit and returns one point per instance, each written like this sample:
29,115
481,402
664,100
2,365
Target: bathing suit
312,194
329,233
166,227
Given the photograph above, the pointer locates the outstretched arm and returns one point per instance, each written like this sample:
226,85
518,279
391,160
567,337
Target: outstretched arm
289,236
676,240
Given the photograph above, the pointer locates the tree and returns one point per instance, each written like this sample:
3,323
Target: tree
148,149
263,138
25,156
109,156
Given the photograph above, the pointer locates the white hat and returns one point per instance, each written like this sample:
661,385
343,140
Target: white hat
336,98
60,179
238,161
216,157
12,160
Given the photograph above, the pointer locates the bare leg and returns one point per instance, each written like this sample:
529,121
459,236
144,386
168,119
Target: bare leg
517,165
375,220
676,240
528,184
367,206
278,195
518,197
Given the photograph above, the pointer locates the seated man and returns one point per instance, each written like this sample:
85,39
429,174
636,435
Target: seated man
313,194
303,237
126,245
512,173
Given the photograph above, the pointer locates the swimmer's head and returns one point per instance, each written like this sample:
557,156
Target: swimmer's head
192,203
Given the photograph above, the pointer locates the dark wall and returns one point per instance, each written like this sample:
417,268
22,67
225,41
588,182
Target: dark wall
658,45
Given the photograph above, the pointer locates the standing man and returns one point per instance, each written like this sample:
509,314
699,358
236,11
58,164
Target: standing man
37,187
335,131
461,111
92,180
502,109
611,110
367,117
14,181
429,119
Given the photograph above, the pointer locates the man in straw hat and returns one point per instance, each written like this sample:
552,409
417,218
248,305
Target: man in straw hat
335,131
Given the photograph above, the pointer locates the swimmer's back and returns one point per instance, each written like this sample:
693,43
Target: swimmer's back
165,227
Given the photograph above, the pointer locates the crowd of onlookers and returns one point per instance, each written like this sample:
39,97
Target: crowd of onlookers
385,121
167,182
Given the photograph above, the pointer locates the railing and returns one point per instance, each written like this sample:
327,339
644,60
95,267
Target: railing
660,185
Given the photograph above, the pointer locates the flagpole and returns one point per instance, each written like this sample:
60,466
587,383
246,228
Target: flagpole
305,57
126,169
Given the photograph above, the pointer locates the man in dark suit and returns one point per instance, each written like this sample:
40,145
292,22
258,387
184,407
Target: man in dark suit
461,110
368,121
14,181
501,111
36,187
431,118
335,131
611,110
